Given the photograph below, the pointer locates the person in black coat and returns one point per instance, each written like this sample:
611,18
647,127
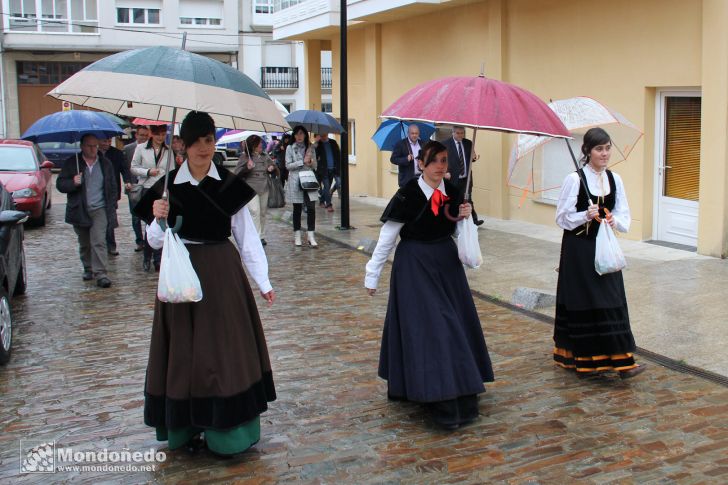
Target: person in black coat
279,155
328,156
405,154
122,172
142,136
460,155
89,180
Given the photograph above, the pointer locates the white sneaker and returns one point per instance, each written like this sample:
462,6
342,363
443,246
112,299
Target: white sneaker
297,237
311,241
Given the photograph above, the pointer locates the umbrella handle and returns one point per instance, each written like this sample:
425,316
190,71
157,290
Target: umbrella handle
446,209
177,224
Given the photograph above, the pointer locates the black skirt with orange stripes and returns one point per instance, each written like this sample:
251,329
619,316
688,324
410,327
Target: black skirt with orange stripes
592,330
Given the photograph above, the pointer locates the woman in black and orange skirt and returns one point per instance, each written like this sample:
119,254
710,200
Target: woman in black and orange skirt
208,370
592,333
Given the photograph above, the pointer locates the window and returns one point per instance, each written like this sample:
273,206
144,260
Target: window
352,141
263,6
326,107
138,16
17,159
47,72
279,5
201,13
682,147
63,16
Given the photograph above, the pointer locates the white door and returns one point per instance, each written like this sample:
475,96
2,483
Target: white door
677,165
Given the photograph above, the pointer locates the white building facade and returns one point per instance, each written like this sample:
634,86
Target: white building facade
278,66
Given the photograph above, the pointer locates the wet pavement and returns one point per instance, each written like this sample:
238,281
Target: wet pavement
77,372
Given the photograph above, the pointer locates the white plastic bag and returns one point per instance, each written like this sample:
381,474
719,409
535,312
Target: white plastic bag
178,282
468,245
608,257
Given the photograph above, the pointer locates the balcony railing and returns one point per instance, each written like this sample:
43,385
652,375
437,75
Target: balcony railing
325,78
279,77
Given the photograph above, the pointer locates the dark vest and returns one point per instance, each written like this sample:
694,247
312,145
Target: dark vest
582,204
206,208
410,206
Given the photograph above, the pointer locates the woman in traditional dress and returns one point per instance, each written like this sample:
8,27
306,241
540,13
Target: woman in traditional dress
592,332
208,368
433,349
255,171
300,156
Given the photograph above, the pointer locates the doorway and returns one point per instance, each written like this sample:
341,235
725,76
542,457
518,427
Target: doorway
677,165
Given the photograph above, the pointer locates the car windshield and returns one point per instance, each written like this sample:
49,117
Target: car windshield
58,145
16,159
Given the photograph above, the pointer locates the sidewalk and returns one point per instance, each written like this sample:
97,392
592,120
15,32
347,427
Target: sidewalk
677,300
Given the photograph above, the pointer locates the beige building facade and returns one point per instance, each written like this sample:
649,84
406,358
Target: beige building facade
663,64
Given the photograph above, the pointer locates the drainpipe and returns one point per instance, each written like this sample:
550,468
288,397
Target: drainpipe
3,114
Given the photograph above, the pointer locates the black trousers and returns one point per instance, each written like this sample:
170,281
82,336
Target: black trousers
461,185
150,253
310,214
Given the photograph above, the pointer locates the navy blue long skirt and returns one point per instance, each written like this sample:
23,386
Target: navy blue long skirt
433,347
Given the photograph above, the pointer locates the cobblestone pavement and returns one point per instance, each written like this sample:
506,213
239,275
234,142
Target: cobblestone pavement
77,372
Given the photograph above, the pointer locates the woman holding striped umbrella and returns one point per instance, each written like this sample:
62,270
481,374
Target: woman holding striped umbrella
209,370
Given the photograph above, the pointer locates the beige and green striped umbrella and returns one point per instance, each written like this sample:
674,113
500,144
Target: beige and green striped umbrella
150,83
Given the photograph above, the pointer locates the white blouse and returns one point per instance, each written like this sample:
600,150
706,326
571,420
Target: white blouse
243,229
387,239
598,183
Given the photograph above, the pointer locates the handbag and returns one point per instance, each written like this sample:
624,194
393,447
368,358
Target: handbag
608,256
276,196
307,179
135,194
467,243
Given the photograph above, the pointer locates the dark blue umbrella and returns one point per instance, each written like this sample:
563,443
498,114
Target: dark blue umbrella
392,131
70,126
314,121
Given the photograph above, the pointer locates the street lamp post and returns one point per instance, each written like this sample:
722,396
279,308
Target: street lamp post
344,111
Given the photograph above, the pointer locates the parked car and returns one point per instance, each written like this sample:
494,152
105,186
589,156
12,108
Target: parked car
26,174
58,151
13,277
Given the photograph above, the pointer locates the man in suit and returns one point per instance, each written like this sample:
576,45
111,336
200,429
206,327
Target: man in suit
459,157
328,156
142,136
405,153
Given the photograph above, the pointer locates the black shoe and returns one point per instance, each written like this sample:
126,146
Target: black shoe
392,397
103,282
479,222
156,267
113,252
139,247
263,242
634,372
87,276
195,445
147,266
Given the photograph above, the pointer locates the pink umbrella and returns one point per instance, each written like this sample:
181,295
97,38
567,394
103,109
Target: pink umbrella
145,122
479,103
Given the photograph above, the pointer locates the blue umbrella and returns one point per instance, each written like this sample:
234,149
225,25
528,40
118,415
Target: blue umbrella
392,131
314,121
70,126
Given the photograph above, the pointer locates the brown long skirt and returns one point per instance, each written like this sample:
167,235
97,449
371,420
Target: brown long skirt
208,361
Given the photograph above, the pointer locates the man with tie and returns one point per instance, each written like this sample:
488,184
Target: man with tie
405,154
459,156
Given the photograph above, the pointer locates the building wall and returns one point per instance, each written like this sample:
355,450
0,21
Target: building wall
68,47
622,54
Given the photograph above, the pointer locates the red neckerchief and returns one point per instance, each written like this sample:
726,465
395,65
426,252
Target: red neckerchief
437,200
